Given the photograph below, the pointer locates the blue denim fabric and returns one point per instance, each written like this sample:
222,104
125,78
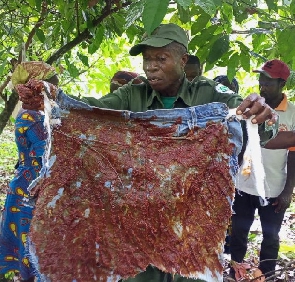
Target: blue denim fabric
190,117
185,119
197,116
65,102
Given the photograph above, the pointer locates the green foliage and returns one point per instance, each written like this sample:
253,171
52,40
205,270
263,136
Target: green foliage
218,49
211,22
153,13
89,40
287,251
8,159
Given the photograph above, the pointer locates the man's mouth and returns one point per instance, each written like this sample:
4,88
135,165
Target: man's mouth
153,79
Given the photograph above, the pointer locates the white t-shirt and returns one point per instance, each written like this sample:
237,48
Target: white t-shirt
274,161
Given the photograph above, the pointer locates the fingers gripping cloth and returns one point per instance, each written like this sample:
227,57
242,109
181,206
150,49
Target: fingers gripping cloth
252,159
128,190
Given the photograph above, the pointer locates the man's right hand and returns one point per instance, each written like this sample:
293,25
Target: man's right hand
255,105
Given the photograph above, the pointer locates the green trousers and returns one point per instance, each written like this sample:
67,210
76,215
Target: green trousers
153,274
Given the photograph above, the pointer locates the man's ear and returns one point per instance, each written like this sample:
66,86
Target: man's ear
282,83
184,59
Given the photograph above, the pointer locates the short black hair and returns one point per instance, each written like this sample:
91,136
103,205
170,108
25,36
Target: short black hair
177,48
193,59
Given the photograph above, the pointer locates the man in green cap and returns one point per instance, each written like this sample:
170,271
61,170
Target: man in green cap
165,55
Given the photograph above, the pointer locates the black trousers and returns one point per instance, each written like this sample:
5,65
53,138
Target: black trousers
244,210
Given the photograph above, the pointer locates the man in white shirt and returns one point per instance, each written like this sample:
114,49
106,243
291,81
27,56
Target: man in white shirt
279,166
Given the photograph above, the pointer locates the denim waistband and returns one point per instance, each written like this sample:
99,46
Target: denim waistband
197,116
185,118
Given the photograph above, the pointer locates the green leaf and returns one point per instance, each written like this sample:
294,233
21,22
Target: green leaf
84,59
32,3
232,65
153,14
40,35
200,23
118,24
2,66
292,7
239,12
287,248
201,39
134,12
72,69
227,12
245,61
184,14
291,81
209,6
38,4
286,38
96,41
184,3
257,41
272,5
219,47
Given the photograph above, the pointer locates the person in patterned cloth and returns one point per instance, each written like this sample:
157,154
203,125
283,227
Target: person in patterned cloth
30,138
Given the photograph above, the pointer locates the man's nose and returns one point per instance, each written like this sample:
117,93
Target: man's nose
151,66
261,87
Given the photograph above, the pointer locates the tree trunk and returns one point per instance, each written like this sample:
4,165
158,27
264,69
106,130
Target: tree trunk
7,111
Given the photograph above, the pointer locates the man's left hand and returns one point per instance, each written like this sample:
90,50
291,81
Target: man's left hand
282,202
254,105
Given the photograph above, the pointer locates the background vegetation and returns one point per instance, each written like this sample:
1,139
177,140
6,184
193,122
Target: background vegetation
88,41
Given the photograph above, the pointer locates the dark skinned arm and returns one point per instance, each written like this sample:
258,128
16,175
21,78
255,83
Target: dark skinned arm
283,140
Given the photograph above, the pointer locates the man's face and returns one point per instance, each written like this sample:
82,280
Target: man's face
192,71
270,88
163,69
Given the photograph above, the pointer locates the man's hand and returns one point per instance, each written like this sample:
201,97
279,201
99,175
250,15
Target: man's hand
282,202
255,105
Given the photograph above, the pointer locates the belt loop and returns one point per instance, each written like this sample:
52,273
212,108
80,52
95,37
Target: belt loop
193,121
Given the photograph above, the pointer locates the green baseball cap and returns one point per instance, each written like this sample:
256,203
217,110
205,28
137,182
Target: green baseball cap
160,37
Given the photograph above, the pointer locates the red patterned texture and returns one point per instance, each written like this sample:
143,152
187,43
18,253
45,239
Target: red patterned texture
125,194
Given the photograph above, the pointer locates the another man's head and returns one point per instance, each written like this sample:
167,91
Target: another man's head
121,78
164,57
192,68
272,79
223,79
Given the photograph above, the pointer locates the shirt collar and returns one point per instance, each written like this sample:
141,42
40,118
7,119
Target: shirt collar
182,93
283,105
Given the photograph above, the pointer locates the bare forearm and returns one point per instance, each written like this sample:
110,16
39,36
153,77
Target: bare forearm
283,140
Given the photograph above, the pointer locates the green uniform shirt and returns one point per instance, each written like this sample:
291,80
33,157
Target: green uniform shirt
141,97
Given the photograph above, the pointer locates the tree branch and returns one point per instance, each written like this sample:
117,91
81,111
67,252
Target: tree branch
85,34
33,31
